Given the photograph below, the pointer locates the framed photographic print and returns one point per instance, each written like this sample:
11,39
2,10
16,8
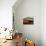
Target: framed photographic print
28,20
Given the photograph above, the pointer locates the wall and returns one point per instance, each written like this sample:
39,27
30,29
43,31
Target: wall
29,8
43,22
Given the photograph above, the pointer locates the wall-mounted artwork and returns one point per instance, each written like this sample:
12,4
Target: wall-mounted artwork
28,20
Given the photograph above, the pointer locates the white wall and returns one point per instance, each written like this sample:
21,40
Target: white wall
43,22
29,8
6,13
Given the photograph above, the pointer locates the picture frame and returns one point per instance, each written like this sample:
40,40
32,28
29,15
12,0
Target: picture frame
28,21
